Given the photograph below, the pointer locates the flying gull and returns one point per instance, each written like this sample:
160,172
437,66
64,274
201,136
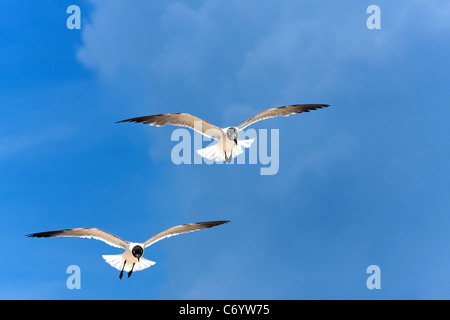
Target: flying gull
130,260
228,144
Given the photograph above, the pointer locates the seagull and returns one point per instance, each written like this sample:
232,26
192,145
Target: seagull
130,260
228,145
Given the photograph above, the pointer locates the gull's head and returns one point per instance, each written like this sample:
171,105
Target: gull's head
232,134
137,251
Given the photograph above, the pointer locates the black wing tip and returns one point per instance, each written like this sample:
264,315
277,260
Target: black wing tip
310,107
209,224
217,223
147,119
222,221
46,234
319,105
49,234
136,120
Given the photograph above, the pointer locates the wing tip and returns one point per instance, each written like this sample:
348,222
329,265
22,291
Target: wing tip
318,105
215,223
144,119
208,224
150,119
46,234
135,120
55,233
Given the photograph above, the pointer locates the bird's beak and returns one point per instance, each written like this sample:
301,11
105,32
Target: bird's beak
235,140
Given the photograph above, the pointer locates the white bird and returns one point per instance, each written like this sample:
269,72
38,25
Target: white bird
130,260
228,144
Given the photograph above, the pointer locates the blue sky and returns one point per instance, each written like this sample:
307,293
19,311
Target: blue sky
364,182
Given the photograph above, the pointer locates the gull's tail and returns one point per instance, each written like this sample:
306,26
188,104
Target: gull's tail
117,261
214,152
238,149
247,143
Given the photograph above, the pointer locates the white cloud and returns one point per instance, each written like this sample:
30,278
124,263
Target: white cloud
216,55
118,37
176,39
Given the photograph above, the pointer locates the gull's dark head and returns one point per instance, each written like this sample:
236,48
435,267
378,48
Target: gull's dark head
232,134
137,251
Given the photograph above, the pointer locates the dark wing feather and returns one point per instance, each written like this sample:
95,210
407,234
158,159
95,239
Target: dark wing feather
280,111
94,233
180,119
173,231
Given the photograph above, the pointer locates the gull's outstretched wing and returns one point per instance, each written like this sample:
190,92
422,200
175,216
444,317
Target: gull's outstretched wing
280,111
180,119
94,233
184,228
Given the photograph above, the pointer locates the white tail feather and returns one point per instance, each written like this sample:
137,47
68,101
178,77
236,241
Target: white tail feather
247,143
241,144
143,264
214,152
117,260
114,261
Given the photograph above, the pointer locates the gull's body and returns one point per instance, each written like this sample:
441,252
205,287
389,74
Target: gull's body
228,144
127,261
225,149
131,259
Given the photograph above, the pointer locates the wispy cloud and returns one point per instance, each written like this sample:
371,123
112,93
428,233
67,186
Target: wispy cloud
11,145
255,58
